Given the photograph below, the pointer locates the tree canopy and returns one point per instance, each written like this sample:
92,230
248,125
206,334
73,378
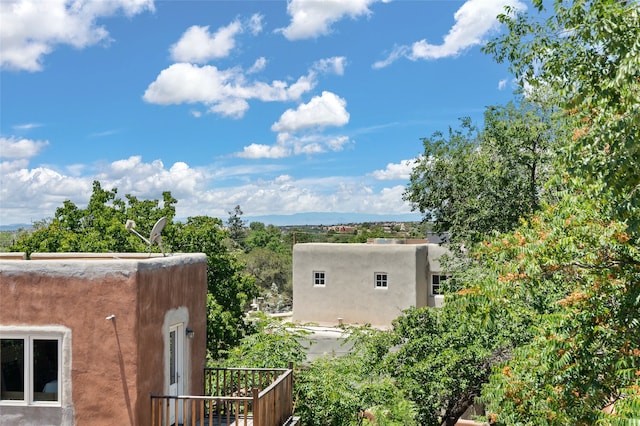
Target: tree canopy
587,53
100,226
470,183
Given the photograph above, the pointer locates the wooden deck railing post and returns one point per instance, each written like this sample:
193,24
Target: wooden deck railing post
256,407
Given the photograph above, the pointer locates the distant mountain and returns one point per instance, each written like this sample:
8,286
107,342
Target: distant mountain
330,218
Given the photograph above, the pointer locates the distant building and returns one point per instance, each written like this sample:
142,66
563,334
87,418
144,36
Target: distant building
85,339
365,283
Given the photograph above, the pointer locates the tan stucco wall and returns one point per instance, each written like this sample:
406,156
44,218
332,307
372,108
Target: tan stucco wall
350,292
182,288
113,362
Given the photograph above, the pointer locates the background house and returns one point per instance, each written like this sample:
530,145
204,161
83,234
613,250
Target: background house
86,338
364,283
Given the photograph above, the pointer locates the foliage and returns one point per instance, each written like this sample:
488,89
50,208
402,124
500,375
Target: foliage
274,345
229,289
327,392
472,183
443,357
9,238
588,53
366,232
269,237
270,269
342,390
586,354
268,258
236,227
583,249
99,227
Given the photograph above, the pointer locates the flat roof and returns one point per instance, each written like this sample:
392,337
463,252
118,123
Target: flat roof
74,264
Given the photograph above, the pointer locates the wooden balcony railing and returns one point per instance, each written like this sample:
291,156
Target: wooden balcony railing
233,397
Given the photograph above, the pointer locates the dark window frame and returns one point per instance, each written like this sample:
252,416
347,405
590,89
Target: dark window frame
39,362
436,284
381,280
319,279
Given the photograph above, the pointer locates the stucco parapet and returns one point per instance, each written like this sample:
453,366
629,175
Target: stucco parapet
353,247
16,255
176,259
95,265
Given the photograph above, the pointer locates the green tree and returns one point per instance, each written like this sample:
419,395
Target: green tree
235,223
471,183
268,258
274,345
443,357
587,53
339,390
99,227
584,357
523,137
270,237
230,290
579,274
269,268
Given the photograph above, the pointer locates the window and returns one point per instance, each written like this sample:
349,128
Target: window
30,369
436,284
318,279
381,279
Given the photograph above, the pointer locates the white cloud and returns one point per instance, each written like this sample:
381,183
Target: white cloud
26,126
20,148
502,84
232,107
198,45
395,171
291,144
258,65
298,130
11,166
255,24
334,65
473,22
313,18
322,111
220,89
33,194
314,143
337,143
75,169
27,195
256,150
104,133
337,194
31,29
187,83
138,177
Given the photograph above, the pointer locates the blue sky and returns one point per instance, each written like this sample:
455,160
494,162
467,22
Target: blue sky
282,107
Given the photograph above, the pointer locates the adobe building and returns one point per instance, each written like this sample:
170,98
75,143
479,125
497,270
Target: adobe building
85,339
368,283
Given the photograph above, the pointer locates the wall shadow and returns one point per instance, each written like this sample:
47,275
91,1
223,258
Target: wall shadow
123,376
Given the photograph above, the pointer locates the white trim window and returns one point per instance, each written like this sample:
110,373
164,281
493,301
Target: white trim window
436,284
381,279
319,279
30,369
